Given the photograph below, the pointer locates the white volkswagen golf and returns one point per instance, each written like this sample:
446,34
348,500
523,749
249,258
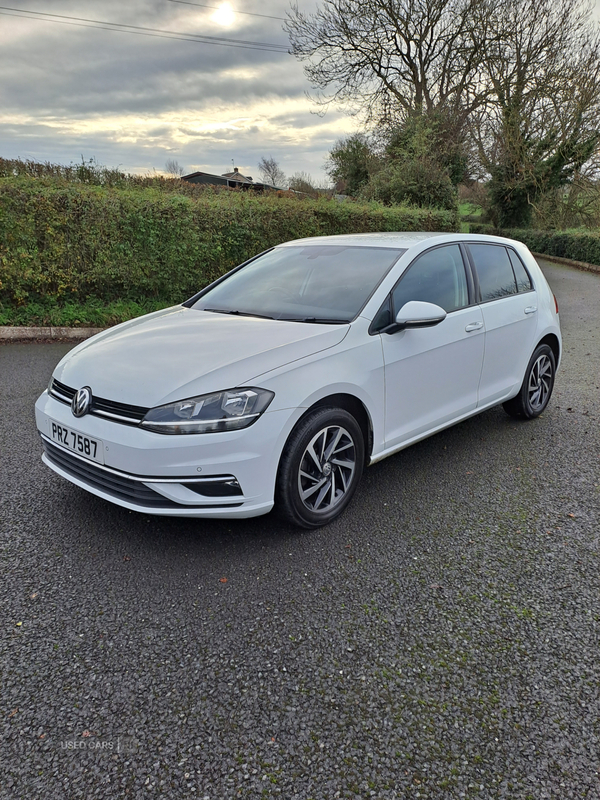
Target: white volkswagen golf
277,384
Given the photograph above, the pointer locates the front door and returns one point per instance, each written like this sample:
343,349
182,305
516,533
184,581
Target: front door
432,374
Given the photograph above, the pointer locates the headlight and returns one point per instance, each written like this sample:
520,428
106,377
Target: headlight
222,411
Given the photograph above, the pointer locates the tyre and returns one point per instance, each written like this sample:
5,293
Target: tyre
320,468
537,386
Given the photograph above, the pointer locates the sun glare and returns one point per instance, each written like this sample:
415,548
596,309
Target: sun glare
224,15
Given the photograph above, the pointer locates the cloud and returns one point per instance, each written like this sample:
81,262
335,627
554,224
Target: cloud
135,100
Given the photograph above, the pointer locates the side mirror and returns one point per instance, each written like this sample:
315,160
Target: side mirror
418,314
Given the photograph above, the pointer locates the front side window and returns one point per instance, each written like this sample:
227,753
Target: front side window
310,283
494,271
437,276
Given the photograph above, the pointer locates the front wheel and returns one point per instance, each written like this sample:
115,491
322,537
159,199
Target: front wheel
537,386
320,468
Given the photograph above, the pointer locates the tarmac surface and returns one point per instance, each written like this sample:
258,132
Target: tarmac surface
439,640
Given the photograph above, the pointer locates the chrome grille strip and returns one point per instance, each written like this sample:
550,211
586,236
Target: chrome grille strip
63,399
108,409
98,413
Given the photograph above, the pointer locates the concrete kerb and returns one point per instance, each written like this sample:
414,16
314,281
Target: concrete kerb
569,262
18,334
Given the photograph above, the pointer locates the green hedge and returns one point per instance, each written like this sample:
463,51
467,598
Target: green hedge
62,242
579,246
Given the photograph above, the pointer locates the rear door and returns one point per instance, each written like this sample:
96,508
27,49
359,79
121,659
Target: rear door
509,306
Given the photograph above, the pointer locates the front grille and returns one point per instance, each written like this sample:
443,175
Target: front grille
62,392
116,484
109,409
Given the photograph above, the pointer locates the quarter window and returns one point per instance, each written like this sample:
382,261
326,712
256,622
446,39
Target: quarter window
494,271
438,276
521,274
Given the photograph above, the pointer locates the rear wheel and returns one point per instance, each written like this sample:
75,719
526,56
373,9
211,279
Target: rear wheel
537,386
320,468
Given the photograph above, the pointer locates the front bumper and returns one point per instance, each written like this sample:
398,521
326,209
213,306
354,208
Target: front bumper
222,475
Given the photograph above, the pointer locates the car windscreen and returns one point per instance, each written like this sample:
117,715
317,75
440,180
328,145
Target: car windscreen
304,283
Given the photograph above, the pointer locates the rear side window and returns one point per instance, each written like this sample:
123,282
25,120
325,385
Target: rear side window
521,274
494,271
438,276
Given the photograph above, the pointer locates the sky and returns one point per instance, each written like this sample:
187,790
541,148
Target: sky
133,99
71,89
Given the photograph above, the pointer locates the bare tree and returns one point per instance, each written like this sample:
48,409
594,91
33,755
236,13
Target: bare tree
522,76
303,182
387,57
271,172
172,168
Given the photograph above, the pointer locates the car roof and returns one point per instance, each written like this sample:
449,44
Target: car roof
400,239
381,239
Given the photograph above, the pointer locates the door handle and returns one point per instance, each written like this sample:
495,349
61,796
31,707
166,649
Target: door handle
531,309
474,326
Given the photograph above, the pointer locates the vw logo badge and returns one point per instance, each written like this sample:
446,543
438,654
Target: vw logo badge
82,401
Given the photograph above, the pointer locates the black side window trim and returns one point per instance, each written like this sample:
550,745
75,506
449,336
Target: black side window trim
472,283
509,249
474,275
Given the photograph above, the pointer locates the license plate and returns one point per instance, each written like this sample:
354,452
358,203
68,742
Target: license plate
76,442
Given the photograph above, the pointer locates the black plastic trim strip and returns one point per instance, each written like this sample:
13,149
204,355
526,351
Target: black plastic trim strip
113,484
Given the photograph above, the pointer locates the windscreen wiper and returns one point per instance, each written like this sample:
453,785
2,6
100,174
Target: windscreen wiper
236,312
317,320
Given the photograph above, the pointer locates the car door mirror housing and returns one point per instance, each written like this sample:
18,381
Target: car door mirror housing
416,314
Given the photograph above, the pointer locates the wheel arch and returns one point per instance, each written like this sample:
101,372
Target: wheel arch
552,341
292,490
352,405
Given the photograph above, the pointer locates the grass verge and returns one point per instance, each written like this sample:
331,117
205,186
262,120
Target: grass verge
90,313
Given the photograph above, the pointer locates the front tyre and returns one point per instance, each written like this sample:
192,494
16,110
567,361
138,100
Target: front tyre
537,386
320,468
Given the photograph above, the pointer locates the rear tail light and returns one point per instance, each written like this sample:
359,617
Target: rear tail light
555,302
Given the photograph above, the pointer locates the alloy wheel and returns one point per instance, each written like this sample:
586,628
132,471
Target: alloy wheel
326,469
540,382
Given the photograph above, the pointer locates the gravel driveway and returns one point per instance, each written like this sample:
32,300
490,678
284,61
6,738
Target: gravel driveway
439,640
